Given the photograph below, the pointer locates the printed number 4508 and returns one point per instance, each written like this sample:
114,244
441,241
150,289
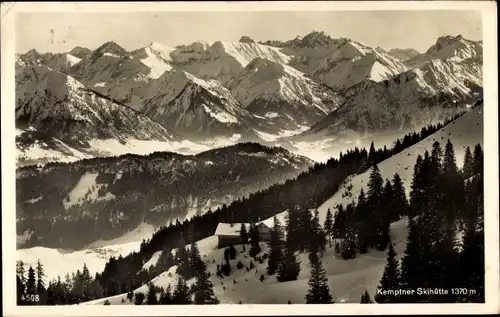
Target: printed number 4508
33,298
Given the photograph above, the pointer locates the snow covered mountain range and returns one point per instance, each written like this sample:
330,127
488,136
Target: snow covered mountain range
246,91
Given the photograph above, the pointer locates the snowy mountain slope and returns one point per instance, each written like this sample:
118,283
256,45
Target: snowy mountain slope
286,97
222,60
196,108
58,104
156,56
59,263
106,198
353,62
347,279
35,147
465,131
452,48
407,101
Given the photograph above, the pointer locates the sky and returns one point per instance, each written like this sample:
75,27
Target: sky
418,29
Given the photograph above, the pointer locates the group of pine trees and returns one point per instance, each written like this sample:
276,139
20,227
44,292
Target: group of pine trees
302,233
364,224
32,289
190,265
445,244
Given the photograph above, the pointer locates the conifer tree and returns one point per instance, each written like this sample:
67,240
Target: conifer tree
21,282
468,168
166,296
151,296
306,232
361,217
292,228
472,256
436,157
275,246
379,220
371,154
417,193
31,282
365,298
449,160
181,293
203,288
318,240
243,234
339,224
391,278
412,271
478,159
195,262
182,261
400,200
451,190
319,292
348,246
390,212
289,266
139,298
328,226
40,274
254,241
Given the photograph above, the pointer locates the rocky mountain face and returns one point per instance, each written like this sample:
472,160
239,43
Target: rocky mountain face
111,71
74,204
455,49
62,62
282,95
404,54
58,113
194,107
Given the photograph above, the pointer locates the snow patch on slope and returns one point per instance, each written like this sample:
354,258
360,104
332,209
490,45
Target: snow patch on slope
58,263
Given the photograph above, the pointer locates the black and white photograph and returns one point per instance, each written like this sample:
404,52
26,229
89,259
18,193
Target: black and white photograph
247,154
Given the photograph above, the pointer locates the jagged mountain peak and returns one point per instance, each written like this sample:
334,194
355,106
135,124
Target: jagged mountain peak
111,48
32,53
246,39
80,52
404,54
316,38
456,48
447,39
